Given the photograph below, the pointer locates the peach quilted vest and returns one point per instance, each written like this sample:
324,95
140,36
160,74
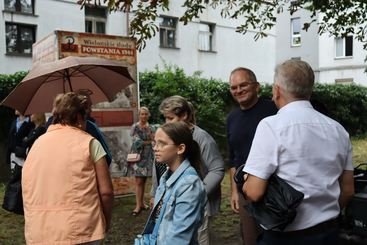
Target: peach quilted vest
60,194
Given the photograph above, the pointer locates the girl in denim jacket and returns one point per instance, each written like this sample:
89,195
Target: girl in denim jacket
180,198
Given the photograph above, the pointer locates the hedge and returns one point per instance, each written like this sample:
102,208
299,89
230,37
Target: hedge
7,84
210,97
346,104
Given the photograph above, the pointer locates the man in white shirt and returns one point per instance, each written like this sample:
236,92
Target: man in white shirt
310,151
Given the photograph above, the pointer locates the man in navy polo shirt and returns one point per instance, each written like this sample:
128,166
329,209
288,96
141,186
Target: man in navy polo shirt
241,127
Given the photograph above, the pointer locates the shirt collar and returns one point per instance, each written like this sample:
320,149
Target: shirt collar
294,105
176,175
19,123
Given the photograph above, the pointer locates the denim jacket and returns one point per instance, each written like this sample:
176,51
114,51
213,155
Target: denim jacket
184,198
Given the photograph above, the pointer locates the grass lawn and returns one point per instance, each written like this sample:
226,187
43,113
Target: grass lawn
359,150
125,227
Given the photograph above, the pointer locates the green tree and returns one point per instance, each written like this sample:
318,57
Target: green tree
210,97
7,84
339,18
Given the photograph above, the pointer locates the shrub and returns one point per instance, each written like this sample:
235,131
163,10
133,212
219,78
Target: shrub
7,84
346,104
210,97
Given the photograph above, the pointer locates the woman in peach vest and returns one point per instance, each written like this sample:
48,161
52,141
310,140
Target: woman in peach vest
67,189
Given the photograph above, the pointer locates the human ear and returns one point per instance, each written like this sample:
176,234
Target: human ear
181,149
276,92
183,117
257,87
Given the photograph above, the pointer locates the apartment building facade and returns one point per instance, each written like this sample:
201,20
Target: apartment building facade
334,59
208,44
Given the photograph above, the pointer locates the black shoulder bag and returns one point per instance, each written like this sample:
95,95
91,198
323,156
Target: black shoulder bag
13,201
278,206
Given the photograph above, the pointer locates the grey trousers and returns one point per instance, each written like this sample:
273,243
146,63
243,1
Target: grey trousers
249,229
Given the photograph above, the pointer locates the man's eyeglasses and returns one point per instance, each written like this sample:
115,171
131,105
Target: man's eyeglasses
159,144
241,86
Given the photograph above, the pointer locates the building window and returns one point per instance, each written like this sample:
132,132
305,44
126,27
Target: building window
167,32
296,32
95,19
22,6
19,38
344,47
206,32
344,81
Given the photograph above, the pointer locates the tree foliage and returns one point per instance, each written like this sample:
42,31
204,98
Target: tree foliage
211,98
7,84
338,18
346,104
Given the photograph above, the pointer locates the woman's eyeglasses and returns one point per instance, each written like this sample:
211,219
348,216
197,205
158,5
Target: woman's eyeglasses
160,144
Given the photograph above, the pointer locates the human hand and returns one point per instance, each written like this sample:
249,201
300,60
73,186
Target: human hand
235,203
108,225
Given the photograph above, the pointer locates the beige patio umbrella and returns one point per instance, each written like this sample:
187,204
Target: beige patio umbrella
35,93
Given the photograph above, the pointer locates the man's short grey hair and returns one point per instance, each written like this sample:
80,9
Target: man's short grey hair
296,78
251,75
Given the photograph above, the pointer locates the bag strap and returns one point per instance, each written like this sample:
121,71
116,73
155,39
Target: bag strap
133,151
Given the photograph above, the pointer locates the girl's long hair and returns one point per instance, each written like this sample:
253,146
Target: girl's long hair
180,133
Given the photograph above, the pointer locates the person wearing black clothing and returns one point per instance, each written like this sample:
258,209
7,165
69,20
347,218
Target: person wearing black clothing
39,120
241,127
22,135
19,130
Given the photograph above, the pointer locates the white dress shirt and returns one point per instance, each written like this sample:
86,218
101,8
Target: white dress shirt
308,150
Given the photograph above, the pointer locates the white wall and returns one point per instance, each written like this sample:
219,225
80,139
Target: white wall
309,48
47,18
231,49
319,52
50,15
332,68
358,75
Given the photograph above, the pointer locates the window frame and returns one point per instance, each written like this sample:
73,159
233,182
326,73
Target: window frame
95,19
165,42
18,8
19,45
344,81
210,33
294,36
344,43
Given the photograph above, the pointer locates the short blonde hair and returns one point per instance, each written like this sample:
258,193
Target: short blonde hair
39,118
144,108
178,105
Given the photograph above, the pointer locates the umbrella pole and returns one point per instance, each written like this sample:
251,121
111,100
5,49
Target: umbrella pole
68,79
